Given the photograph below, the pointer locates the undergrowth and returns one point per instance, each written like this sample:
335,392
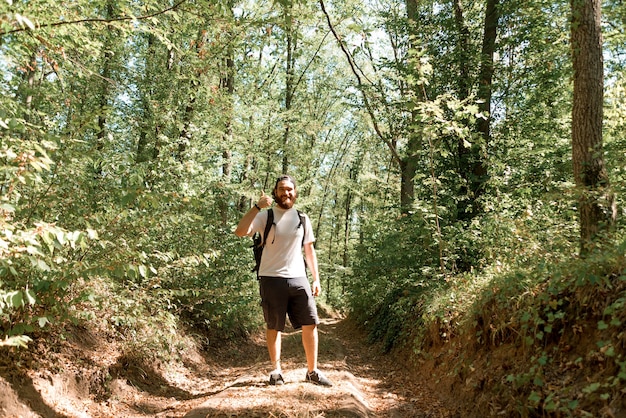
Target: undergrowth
537,340
537,332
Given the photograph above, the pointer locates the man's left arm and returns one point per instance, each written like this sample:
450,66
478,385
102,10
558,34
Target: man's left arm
311,262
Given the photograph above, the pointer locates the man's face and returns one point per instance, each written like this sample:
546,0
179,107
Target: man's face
285,194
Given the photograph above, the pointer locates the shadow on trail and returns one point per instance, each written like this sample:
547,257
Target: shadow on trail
267,412
27,393
349,409
146,379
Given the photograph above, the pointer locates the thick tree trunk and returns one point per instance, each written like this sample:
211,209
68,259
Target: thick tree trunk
597,209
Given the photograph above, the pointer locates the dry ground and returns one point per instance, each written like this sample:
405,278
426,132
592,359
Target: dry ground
87,377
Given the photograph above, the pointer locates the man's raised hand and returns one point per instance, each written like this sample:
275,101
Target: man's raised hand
265,201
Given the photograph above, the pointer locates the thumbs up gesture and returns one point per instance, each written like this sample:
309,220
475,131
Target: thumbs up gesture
265,201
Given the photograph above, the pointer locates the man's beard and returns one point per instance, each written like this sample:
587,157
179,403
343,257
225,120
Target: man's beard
285,203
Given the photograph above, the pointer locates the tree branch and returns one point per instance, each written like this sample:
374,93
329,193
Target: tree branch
96,20
368,106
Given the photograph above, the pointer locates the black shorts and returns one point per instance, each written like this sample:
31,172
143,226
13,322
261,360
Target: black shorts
281,297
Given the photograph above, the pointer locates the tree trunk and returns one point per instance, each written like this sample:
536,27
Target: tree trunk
462,51
410,162
463,207
105,73
408,169
147,121
473,161
227,84
292,42
597,209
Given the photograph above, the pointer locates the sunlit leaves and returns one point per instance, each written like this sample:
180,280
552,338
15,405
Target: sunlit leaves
18,341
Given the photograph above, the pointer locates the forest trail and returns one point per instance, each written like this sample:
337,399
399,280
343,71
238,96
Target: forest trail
230,383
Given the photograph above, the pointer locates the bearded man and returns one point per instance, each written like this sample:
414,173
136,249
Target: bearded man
283,282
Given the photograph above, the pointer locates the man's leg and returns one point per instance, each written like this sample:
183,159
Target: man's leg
310,343
273,338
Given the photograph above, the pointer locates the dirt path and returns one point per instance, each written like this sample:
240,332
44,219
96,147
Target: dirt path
233,383
365,385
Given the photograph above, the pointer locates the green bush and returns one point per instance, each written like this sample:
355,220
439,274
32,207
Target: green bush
395,270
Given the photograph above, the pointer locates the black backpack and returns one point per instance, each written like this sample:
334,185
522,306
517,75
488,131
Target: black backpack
258,242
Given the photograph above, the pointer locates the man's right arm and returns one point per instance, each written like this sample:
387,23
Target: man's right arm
245,224
244,227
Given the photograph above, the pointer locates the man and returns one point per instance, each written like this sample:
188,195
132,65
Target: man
284,286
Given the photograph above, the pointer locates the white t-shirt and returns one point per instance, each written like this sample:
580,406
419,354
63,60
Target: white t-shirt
282,255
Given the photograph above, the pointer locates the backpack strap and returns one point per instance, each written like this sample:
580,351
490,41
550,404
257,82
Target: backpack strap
268,225
259,241
302,223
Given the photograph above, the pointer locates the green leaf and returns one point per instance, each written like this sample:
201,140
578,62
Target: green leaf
17,299
42,265
534,397
39,263
30,297
33,250
549,404
60,236
591,388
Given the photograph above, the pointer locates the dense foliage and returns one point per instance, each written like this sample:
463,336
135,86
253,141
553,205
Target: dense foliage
437,174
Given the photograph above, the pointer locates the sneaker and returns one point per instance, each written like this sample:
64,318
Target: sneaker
318,378
276,378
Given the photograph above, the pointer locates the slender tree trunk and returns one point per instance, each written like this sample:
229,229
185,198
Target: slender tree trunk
473,160
346,229
464,169
492,16
105,73
185,136
292,43
227,85
30,86
597,209
463,46
408,170
148,121
105,87
410,162
406,164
